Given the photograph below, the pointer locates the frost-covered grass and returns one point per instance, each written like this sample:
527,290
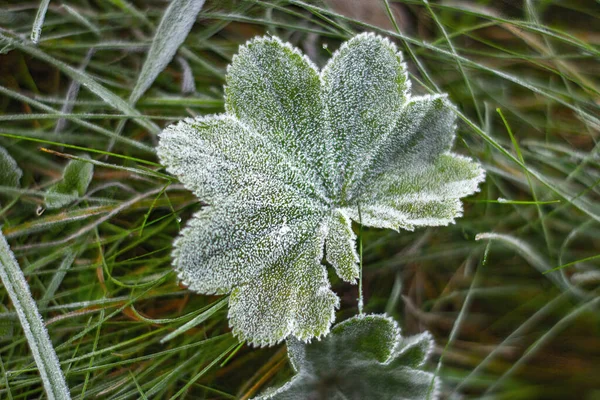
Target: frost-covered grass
507,321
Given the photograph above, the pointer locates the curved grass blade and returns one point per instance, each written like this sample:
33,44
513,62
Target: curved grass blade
57,279
72,93
36,31
96,128
196,320
174,27
590,305
534,258
33,326
86,80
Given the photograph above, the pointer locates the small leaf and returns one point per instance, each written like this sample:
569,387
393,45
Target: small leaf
364,357
285,170
10,173
77,175
176,23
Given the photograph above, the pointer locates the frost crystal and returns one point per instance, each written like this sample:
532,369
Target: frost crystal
364,357
10,173
285,169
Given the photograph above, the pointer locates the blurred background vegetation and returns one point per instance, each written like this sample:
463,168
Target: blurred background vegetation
515,314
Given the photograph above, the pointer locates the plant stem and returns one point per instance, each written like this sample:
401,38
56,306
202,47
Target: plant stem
360,255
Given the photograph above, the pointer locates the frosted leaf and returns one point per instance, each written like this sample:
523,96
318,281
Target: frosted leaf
292,296
10,173
219,156
364,87
76,178
341,246
414,351
285,168
364,357
276,91
428,195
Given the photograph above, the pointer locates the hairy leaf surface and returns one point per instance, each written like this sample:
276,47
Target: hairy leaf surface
364,357
10,173
285,169
76,178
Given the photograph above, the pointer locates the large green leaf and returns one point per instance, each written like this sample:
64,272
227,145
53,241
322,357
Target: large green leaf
364,357
285,170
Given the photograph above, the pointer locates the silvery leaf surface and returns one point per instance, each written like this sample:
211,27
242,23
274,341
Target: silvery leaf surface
10,173
364,357
298,155
76,178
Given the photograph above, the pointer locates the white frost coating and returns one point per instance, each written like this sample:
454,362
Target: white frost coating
428,195
285,229
341,247
40,16
284,170
43,353
76,178
292,297
416,350
187,80
275,90
364,87
175,25
364,357
10,173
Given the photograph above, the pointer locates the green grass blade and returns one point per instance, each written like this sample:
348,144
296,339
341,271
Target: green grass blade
174,27
530,254
196,320
109,97
57,279
535,347
85,124
36,31
33,326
